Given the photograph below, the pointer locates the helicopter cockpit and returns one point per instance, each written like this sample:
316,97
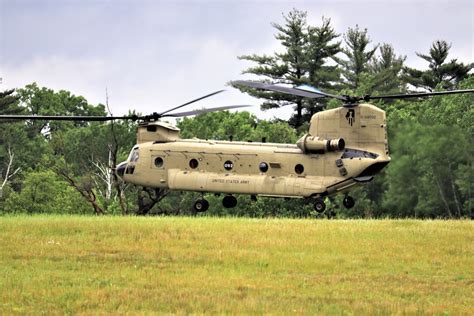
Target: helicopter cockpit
128,166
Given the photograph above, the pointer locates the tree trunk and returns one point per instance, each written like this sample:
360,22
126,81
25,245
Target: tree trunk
87,193
441,193
453,188
147,198
9,173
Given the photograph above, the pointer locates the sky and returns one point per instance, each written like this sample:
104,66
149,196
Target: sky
154,55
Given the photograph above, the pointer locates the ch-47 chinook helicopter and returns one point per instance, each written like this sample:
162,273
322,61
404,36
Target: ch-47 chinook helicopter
344,147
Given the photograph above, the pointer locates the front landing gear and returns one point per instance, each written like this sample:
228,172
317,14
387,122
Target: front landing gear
319,206
201,205
348,201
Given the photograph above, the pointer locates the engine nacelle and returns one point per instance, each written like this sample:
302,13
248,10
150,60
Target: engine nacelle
315,144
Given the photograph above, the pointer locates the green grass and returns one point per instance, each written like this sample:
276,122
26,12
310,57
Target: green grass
180,265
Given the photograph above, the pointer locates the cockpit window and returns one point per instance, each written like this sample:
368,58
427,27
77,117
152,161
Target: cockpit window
354,153
133,157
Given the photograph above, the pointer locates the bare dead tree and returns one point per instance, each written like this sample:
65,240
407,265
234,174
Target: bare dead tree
113,151
103,177
10,171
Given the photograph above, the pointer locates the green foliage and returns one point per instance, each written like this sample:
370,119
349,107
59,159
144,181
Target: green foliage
44,192
422,177
241,126
441,72
9,103
386,69
358,56
219,125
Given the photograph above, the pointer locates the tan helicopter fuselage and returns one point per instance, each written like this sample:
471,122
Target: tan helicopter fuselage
344,146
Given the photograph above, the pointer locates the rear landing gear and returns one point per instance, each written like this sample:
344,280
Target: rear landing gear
229,201
201,205
348,202
319,206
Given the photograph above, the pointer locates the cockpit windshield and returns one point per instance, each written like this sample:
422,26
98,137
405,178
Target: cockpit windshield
133,157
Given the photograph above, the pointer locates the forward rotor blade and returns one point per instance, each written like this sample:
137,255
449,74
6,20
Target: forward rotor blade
192,101
65,118
201,111
415,95
300,91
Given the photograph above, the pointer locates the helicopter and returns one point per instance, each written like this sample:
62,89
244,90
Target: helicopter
343,148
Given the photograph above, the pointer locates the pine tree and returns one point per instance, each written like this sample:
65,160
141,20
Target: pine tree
322,48
303,61
386,70
440,72
358,56
9,103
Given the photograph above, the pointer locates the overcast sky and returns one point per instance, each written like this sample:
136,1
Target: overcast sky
152,55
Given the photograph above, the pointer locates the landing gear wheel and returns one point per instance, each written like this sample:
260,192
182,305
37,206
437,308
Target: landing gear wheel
229,201
319,206
348,202
201,205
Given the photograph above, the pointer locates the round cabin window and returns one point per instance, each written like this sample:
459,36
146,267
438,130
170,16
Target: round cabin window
263,167
299,168
228,165
193,163
158,162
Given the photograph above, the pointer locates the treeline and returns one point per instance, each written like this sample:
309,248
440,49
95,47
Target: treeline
67,167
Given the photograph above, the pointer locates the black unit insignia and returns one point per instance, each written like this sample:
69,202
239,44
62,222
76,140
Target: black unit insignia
350,116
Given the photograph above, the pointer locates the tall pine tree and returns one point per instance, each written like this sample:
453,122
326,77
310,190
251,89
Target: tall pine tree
323,47
9,103
303,61
358,56
386,69
440,72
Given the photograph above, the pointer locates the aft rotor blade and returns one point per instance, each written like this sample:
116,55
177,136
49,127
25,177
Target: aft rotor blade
65,118
301,91
312,89
192,101
201,111
415,95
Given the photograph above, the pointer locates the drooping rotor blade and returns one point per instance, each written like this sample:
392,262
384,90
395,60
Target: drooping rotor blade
300,91
66,118
192,101
201,111
312,89
414,95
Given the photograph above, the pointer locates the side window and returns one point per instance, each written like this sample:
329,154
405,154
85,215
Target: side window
159,162
263,166
193,163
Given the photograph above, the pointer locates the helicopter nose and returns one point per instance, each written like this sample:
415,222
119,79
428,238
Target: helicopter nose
121,169
374,168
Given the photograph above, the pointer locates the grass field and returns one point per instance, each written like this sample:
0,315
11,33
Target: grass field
180,265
